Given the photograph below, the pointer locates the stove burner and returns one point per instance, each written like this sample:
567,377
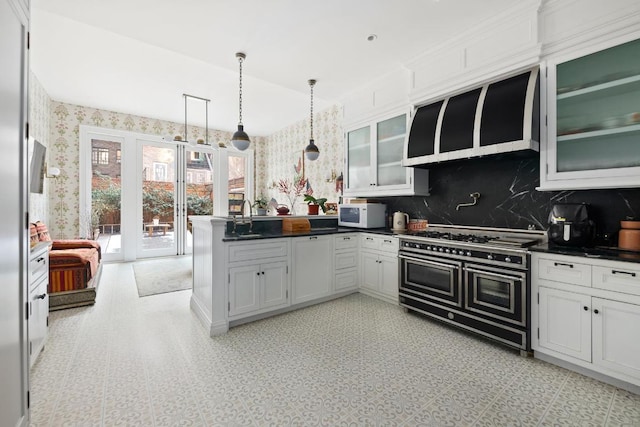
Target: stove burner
469,238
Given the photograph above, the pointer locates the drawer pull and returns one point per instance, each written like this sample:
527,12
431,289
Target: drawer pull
586,308
562,264
596,311
346,238
369,238
623,272
387,241
41,296
313,238
41,259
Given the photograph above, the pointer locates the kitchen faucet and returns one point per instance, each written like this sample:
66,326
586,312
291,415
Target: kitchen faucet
235,220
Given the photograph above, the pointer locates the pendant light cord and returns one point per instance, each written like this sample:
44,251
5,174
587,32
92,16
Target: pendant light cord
311,83
240,59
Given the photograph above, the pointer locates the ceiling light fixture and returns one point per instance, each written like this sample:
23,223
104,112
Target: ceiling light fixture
311,151
240,139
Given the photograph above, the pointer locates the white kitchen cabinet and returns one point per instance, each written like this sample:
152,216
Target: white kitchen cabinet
255,287
379,266
593,119
565,322
345,261
312,264
593,325
257,277
373,156
616,339
38,320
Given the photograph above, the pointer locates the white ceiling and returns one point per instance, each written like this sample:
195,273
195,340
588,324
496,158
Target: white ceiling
140,56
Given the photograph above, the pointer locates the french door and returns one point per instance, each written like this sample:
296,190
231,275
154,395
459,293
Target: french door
157,199
137,191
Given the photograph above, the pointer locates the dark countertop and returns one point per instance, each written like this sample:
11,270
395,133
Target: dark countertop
598,252
317,231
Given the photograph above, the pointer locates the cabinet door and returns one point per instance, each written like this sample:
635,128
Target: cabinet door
370,271
313,268
274,284
359,159
565,322
388,266
244,289
38,322
616,336
390,136
594,120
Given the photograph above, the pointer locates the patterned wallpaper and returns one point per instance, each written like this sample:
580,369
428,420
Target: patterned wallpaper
64,153
56,125
281,154
39,118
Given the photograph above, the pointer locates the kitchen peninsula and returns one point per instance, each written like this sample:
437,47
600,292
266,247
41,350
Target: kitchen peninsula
261,271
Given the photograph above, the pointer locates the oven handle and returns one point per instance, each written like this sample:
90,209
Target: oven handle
491,273
427,261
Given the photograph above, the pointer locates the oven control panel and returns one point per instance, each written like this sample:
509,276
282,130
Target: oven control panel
492,256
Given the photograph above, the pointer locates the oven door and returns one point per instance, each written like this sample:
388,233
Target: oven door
431,278
496,293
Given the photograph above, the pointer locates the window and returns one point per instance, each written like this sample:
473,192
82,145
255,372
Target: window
118,156
100,156
159,171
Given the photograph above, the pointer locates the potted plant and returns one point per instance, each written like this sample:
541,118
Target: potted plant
315,204
261,204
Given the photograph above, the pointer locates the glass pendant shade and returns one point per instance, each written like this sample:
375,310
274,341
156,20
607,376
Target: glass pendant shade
240,139
311,152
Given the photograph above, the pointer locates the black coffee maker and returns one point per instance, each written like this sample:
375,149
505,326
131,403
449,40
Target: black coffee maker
571,225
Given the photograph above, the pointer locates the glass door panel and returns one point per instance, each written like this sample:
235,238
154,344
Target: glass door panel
359,155
390,146
103,219
598,110
199,188
158,195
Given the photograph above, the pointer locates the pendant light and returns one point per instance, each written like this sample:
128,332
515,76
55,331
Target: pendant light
240,139
311,151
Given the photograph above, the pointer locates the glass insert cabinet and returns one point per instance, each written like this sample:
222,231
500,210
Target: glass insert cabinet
593,120
374,152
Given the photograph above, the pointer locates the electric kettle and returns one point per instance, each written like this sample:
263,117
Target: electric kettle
400,221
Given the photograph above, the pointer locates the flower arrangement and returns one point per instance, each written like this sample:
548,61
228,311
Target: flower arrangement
292,189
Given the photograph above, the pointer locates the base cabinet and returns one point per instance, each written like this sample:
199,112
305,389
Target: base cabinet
312,268
38,322
590,318
257,286
345,261
379,266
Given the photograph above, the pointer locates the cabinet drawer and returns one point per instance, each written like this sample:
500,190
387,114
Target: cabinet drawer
38,267
348,241
346,280
389,244
368,241
625,279
564,271
255,251
345,260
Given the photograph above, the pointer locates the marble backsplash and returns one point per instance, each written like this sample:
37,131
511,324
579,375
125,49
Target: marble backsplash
508,196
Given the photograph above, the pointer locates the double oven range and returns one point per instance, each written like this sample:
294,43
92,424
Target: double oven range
476,279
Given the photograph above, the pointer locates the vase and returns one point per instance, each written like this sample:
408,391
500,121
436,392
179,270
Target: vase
313,209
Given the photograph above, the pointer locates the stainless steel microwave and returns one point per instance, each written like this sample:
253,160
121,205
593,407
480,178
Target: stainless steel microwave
362,215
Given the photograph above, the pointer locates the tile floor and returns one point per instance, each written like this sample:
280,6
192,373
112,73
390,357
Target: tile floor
354,361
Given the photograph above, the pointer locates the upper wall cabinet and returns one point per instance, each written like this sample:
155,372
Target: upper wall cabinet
593,115
496,118
373,161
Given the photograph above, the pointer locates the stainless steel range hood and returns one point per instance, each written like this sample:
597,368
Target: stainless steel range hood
499,117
